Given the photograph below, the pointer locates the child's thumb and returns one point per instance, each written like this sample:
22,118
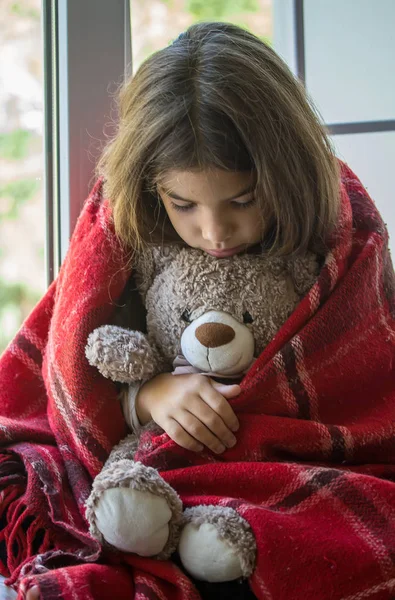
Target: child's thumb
229,391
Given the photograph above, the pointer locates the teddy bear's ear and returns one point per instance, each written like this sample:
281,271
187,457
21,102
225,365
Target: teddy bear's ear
303,271
151,261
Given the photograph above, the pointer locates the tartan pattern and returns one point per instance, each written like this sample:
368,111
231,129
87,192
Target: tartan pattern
313,471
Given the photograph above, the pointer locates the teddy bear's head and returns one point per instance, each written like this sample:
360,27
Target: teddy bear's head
219,313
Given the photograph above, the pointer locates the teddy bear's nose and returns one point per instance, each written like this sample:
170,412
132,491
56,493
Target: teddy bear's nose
213,335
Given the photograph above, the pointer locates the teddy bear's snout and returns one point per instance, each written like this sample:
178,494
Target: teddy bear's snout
218,342
214,335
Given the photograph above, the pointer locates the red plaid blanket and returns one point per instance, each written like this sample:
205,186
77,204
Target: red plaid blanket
313,471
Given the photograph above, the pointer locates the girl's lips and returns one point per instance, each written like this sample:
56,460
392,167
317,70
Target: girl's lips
225,253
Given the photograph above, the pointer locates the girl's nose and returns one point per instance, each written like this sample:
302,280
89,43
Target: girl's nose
215,231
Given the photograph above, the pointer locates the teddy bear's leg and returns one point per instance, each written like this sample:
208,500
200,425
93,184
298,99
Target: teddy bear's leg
216,544
134,510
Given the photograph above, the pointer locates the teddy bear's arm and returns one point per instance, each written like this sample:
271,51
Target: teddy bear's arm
122,354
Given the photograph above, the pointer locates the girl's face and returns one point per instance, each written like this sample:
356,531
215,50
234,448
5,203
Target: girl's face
213,210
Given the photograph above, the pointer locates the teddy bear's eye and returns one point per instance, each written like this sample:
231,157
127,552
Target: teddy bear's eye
186,316
247,317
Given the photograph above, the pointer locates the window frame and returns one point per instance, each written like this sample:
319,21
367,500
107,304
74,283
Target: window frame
78,104
337,128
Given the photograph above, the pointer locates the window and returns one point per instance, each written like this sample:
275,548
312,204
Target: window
350,82
22,206
83,50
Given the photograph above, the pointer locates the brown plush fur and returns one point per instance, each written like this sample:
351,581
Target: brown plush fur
174,279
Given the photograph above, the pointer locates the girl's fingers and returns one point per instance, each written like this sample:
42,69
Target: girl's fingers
229,391
180,436
212,421
198,430
215,400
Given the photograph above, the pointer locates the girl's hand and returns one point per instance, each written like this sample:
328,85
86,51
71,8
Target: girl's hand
192,409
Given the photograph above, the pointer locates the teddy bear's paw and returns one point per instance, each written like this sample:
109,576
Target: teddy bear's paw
121,354
216,544
134,510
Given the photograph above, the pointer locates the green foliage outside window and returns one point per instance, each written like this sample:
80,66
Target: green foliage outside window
17,193
218,9
16,299
17,8
15,144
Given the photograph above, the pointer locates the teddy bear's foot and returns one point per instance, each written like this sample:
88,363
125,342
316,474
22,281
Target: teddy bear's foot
216,544
134,510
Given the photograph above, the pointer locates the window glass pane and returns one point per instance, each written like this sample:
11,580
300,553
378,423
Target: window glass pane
22,206
372,156
350,55
155,23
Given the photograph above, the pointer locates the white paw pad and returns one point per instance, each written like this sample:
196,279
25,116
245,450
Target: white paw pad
133,521
206,556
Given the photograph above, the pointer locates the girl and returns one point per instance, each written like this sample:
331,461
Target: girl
218,148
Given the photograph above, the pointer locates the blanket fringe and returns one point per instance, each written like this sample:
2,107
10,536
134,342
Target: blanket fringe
23,533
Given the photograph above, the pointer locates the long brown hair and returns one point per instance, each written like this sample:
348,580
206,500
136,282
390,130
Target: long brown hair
219,97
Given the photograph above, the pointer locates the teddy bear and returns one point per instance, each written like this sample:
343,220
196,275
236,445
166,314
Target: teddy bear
204,315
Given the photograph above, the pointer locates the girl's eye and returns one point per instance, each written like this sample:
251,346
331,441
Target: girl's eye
187,207
186,316
247,318
183,208
245,204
